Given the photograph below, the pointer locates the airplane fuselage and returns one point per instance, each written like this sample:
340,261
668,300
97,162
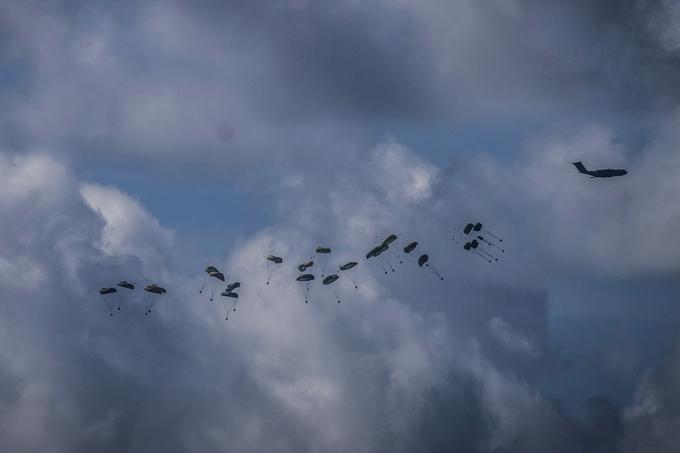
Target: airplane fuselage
607,173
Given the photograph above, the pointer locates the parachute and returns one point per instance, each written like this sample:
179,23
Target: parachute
232,286
306,279
232,295
211,281
376,252
350,266
388,240
306,265
335,289
110,297
273,265
410,247
127,285
153,292
423,260
474,245
322,257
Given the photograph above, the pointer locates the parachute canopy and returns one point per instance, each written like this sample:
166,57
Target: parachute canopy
306,265
211,269
389,239
126,284
108,291
477,227
423,260
275,259
376,251
330,279
323,250
468,228
231,294
233,286
347,266
153,288
411,247
305,278
218,275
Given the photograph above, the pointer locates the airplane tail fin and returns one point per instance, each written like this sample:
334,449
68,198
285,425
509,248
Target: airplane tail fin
580,167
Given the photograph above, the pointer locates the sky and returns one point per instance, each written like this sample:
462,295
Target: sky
146,140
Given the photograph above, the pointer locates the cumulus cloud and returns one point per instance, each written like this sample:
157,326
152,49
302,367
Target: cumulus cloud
128,228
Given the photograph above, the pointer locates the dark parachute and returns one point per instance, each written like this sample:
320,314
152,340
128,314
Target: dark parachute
335,289
376,252
232,286
306,279
153,292
306,265
128,286
232,295
423,260
410,247
322,255
110,297
389,239
125,284
350,266
210,281
273,265
275,259
473,246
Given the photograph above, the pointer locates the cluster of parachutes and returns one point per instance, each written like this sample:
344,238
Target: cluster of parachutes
385,255
114,298
472,233
214,281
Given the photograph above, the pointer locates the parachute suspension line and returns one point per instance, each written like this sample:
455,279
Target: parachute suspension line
203,284
488,255
481,256
493,235
226,310
396,255
353,277
435,271
490,244
335,291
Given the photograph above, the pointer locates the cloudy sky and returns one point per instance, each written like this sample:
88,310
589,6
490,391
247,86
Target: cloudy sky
146,140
